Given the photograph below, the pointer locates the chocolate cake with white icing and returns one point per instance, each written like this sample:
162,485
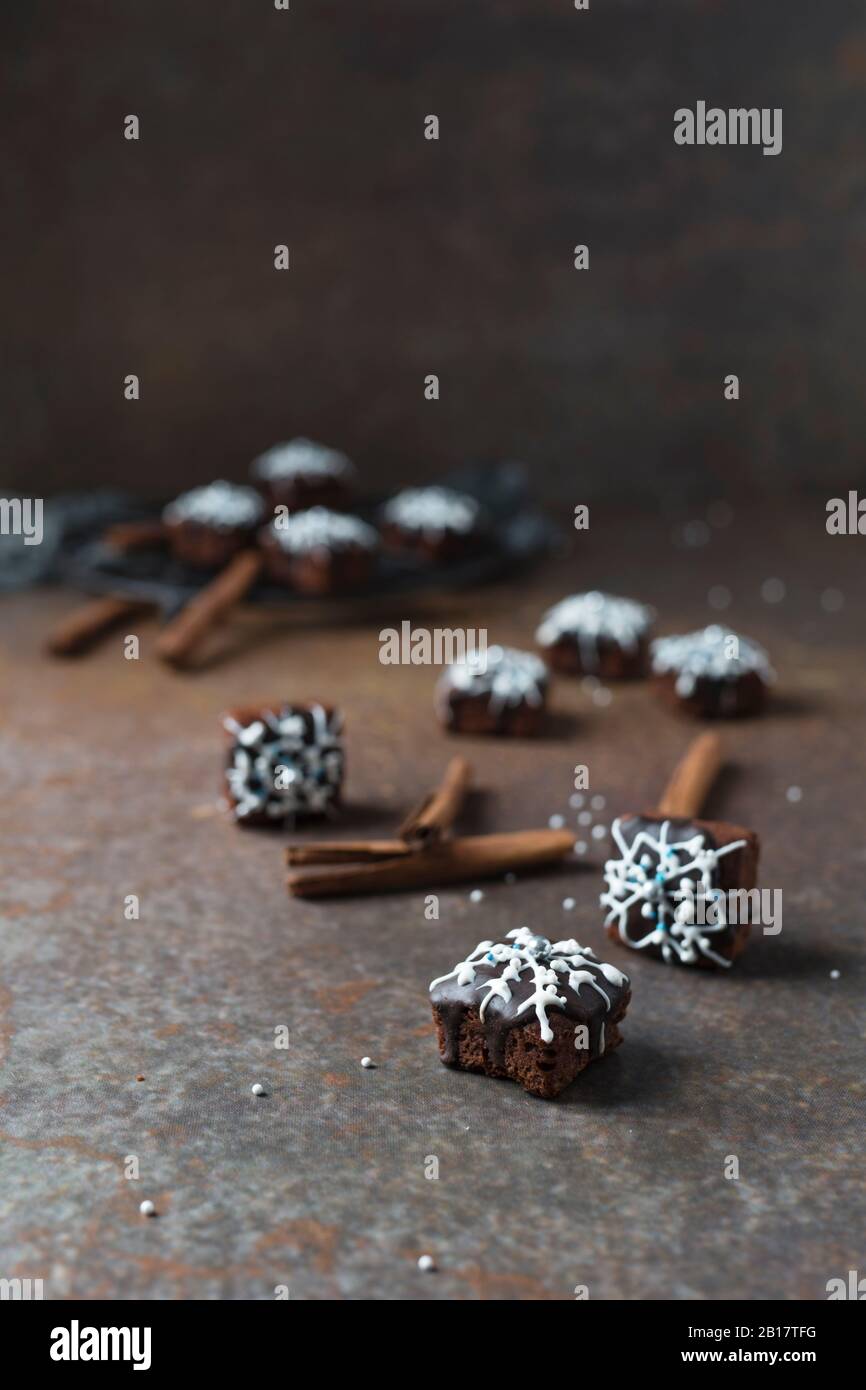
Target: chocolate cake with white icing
319,551
433,523
301,474
534,1011
712,673
596,634
498,691
208,525
668,893
284,762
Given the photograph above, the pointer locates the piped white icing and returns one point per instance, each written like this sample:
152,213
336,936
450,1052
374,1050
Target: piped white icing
220,505
319,528
546,961
508,676
651,872
707,654
303,458
593,616
282,763
432,510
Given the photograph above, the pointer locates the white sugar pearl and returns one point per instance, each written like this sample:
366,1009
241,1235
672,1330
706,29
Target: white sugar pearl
832,600
585,818
772,590
569,904
147,1208
794,793
556,822
367,1062
598,803
258,1089
580,846
476,896
426,1262
599,832
576,800
835,974
601,696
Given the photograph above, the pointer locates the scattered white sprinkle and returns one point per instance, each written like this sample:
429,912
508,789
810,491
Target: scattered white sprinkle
835,974
599,832
696,533
576,800
258,1089
598,803
585,818
569,904
367,1062
580,846
719,597
147,1208
794,793
556,822
510,878
720,514
832,600
426,1262
601,696
476,896
772,591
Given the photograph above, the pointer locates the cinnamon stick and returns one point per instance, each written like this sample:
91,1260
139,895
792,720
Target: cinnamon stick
86,624
692,778
135,535
439,808
346,851
179,639
463,859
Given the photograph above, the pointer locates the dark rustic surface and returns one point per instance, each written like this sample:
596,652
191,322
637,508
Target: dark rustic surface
410,257
110,772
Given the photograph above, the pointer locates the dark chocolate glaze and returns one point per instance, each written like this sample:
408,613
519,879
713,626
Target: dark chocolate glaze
582,1006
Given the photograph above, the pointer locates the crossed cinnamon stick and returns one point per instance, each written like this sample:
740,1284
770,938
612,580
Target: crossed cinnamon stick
422,854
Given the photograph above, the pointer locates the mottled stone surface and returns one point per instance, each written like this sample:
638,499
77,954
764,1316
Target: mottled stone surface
110,773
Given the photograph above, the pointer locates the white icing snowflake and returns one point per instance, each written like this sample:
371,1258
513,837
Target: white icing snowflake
589,617
320,528
507,675
432,510
283,764
302,458
219,504
713,653
546,961
652,877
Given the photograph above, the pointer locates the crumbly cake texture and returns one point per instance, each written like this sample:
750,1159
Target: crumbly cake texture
666,894
319,528
531,1010
596,634
500,691
220,506
433,511
712,672
284,761
303,458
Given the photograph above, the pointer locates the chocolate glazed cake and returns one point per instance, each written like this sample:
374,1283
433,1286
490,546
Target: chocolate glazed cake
530,1010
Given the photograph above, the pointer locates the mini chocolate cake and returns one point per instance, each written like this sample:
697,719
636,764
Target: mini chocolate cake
207,526
531,1011
302,474
667,894
320,551
498,691
433,523
284,761
595,634
712,673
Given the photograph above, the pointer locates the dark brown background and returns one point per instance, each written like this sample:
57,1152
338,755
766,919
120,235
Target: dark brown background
409,257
